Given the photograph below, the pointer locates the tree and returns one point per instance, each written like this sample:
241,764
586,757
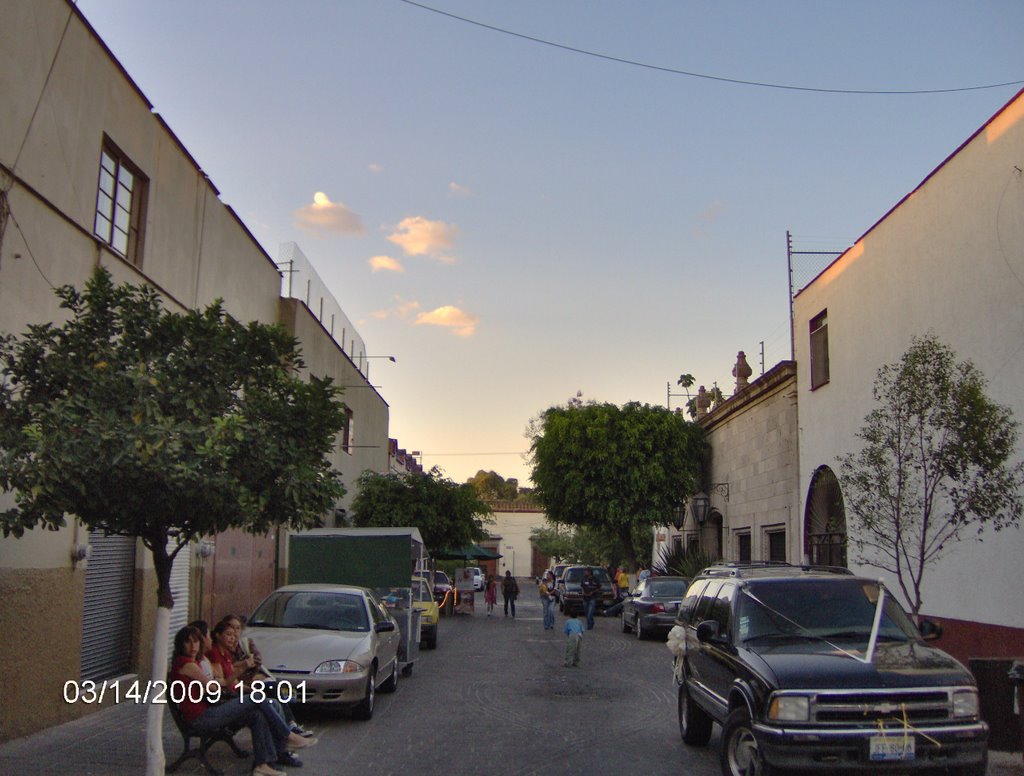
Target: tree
447,514
614,468
163,426
491,486
934,465
597,546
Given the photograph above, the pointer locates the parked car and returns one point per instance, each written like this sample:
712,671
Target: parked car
442,586
651,607
558,569
479,580
570,596
423,599
335,644
819,670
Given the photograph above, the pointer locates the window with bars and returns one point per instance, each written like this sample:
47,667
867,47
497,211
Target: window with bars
346,432
120,204
743,547
819,349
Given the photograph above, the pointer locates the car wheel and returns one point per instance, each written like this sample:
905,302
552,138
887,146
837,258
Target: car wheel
625,625
694,722
638,627
741,755
364,709
391,683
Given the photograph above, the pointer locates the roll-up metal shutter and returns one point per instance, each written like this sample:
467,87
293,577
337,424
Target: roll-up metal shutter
107,610
179,589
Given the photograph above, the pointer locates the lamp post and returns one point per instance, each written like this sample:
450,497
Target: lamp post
699,503
679,517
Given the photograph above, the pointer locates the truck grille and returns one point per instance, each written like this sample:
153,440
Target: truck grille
890,706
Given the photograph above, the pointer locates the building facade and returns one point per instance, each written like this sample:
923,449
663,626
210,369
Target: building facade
751,473
91,176
946,260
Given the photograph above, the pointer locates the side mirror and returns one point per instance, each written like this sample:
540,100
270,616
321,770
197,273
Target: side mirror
384,626
707,631
930,630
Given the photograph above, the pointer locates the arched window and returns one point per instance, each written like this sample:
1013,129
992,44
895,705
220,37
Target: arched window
825,520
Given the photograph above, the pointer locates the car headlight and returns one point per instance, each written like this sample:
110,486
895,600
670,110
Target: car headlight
790,708
965,703
338,667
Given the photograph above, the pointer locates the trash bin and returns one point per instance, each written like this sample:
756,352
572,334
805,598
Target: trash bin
997,702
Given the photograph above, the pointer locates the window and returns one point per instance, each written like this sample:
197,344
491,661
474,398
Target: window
722,608
819,349
775,545
743,547
120,205
346,432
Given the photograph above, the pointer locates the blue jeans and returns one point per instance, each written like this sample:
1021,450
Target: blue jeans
266,745
549,613
589,607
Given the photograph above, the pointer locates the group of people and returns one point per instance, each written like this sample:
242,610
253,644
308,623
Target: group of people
509,593
221,659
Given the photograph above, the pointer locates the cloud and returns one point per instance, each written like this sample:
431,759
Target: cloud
374,167
326,216
402,309
713,212
460,322
386,263
419,236
458,190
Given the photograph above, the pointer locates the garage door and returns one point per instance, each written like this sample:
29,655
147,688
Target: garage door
107,611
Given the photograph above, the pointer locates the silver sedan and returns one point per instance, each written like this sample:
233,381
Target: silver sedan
332,644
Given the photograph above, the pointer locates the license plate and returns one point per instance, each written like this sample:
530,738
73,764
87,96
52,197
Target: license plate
888,748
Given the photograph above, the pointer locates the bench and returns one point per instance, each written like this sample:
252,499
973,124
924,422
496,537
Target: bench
206,740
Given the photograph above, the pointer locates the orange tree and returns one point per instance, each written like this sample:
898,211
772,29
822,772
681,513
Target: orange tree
163,426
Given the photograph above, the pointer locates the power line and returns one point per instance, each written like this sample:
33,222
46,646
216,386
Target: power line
692,74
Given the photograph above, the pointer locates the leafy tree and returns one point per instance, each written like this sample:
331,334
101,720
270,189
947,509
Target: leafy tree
447,514
162,426
934,465
614,468
491,486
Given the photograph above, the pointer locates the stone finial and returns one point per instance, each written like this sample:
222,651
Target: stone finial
741,371
703,402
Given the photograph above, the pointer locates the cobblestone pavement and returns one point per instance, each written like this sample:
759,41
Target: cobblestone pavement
493,699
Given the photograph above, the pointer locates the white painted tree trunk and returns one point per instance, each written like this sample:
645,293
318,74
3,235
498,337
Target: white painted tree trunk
155,760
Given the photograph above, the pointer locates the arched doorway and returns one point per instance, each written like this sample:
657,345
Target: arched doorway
711,535
825,520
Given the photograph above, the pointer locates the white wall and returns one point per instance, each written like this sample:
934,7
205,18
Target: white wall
948,259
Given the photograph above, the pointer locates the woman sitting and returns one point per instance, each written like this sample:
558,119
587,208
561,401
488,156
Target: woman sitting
206,717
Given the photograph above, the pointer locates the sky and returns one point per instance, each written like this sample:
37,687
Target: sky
517,221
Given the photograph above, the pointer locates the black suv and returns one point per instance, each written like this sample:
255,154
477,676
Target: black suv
570,589
810,668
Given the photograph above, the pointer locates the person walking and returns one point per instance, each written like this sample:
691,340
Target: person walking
490,594
590,587
574,640
547,599
509,592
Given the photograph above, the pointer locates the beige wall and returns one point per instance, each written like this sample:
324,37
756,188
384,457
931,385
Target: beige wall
946,260
513,529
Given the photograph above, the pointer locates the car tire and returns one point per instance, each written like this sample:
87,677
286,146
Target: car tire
391,683
625,625
741,756
694,722
364,709
638,628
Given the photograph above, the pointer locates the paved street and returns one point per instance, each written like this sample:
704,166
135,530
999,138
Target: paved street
493,698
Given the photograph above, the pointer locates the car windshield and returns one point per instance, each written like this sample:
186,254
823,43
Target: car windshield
575,575
830,609
666,588
420,592
440,578
308,609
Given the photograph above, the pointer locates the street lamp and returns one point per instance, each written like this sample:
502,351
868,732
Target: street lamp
679,516
699,504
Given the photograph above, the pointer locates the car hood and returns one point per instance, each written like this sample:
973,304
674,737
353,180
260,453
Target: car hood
303,649
912,664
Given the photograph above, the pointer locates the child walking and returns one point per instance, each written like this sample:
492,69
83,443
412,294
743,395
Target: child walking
574,634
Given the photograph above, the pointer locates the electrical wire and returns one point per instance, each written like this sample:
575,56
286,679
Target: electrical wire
692,74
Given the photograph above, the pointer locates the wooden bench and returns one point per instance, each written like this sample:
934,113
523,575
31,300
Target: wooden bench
206,740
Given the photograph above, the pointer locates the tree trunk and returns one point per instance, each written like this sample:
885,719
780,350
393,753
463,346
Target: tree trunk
155,760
